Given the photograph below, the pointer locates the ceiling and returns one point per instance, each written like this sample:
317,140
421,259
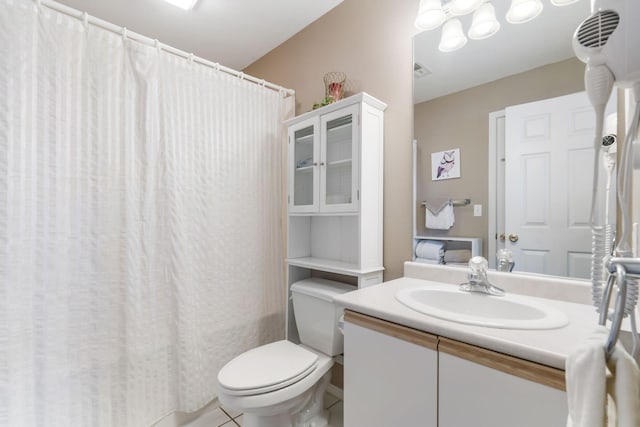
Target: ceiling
234,33
514,49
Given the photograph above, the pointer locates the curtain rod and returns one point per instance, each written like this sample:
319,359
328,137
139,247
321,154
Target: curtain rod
88,19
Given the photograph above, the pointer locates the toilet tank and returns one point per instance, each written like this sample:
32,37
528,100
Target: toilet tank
316,315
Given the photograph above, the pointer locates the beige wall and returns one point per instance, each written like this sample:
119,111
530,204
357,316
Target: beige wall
461,120
370,41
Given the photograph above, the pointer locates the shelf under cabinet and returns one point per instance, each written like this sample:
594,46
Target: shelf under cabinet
330,265
323,214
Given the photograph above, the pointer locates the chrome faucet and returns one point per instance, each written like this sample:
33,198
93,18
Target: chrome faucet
478,278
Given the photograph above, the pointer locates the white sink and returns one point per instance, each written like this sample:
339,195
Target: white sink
506,312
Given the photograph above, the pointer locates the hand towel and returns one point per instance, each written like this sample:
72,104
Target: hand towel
430,249
623,386
439,214
457,255
601,392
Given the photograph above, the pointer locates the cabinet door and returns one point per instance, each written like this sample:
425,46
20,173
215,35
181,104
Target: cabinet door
474,394
339,160
390,374
304,154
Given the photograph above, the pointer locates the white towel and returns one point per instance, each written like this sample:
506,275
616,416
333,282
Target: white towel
439,214
457,255
430,249
600,392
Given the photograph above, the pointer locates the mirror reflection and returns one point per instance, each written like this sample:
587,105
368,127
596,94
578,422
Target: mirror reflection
462,100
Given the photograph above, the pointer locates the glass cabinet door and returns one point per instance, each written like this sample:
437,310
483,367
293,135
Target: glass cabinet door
339,161
303,193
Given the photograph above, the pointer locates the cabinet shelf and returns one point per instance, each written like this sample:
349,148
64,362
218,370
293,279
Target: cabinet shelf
304,139
337,163
323,214
305,168
331,265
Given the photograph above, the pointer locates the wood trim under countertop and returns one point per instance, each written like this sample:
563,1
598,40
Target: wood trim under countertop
521,368
404,333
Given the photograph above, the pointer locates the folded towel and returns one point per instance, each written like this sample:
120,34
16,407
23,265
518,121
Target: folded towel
602,392
439,214
430,249
428,261
457,255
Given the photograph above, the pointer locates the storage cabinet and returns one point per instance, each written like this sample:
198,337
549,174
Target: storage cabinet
334,200
323,163
456,385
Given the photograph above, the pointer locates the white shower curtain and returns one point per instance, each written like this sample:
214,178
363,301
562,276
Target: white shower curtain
140,224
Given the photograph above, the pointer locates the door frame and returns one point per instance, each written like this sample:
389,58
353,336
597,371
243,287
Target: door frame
496,186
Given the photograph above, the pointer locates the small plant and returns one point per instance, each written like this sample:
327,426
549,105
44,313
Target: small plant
325,101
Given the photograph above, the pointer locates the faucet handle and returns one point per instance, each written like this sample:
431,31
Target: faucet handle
478,266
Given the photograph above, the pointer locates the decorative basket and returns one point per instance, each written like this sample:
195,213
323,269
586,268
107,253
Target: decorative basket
334,85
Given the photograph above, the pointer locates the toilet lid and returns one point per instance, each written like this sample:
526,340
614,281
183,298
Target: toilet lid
267,368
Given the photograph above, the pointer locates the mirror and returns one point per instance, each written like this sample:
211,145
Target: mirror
455,93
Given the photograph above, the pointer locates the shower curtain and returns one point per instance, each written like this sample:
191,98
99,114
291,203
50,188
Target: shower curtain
140,223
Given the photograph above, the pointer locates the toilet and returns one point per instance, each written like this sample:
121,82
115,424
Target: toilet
282,384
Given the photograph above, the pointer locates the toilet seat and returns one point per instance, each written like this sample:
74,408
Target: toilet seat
267,368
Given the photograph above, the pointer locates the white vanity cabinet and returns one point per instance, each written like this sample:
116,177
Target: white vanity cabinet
393,379
390,376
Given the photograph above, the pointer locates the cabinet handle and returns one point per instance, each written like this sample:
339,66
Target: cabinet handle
321,163
315,163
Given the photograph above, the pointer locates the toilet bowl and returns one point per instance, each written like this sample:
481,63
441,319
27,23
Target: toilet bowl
282,384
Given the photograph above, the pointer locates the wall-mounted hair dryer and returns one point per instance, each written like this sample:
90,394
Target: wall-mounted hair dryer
611,37
608,41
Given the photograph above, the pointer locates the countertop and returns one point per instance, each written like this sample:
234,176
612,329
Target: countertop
548,347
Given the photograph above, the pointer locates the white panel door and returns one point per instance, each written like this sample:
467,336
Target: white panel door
548,174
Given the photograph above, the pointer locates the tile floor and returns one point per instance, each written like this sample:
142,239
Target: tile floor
228,418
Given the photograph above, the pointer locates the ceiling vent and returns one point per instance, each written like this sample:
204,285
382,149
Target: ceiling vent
420,71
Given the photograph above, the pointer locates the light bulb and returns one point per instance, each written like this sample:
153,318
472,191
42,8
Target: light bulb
563,2
430,15
462,7
522,11
484,22
453,37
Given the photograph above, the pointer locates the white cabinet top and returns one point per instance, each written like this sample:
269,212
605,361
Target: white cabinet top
355,99
548,347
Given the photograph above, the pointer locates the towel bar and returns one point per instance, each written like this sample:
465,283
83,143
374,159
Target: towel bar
459,202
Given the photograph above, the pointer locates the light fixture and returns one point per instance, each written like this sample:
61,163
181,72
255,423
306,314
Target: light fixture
484,23
453,37
183,4
462,7
433,13
522,11
430,14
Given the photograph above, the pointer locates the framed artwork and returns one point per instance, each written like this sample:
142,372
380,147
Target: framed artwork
445,164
